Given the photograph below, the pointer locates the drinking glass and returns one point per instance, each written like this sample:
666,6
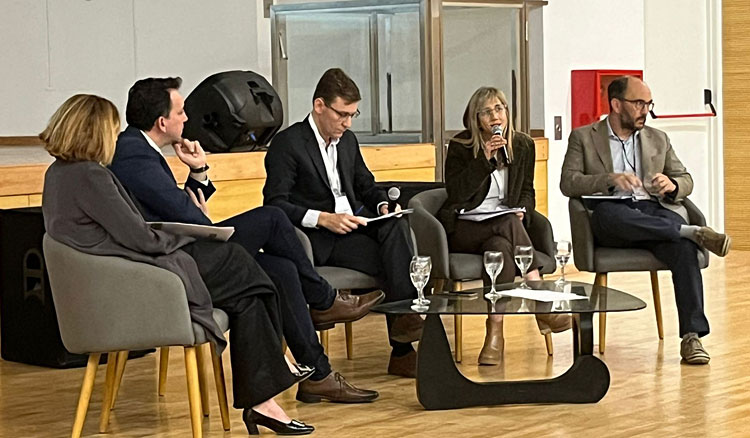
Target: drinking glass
524,255
562,255
419,271
493,264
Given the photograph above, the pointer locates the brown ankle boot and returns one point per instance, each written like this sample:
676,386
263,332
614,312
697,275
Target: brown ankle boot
553,323
494,344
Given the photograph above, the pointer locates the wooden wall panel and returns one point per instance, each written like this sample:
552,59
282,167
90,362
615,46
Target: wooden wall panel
736,78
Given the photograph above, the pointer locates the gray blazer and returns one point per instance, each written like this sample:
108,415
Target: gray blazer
588,163
86,208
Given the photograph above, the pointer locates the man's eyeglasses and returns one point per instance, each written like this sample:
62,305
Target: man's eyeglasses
342,115
640,104
489,112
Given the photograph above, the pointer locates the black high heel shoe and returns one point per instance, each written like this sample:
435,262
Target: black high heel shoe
253,418
303,372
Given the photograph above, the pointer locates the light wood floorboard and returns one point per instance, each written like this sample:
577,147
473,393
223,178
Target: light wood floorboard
651,393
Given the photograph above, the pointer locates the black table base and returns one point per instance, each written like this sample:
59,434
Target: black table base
441,386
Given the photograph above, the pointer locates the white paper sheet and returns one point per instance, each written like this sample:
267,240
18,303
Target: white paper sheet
389,215
547,296
483,216
193,230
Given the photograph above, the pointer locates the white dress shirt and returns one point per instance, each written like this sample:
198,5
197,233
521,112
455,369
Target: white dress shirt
496,195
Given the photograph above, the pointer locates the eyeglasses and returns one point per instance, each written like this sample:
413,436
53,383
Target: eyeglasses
640,104
342,115
489,112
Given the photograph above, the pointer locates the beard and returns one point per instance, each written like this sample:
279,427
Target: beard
629,122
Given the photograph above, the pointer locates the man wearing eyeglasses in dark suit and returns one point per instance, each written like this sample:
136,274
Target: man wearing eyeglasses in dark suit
620,155
316,174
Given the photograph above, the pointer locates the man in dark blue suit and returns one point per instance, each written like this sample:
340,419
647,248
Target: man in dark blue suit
156,116
316,174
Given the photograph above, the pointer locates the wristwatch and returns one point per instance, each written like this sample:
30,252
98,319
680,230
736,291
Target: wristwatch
200,169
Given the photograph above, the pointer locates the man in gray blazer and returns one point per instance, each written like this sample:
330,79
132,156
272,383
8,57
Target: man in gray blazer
621,156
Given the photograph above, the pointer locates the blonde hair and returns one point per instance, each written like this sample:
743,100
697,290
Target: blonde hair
471,119
84,128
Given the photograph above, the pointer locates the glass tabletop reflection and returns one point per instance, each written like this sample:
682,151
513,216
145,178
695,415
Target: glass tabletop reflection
473,301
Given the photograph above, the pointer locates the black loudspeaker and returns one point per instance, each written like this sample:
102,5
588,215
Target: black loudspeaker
28,323
233,111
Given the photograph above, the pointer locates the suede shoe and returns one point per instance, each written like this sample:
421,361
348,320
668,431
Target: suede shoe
404,366
717,243
407,328
333,388
692,351
346,308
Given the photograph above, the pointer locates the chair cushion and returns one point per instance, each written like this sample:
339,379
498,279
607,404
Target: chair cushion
465,266
222,320
628,259
343,278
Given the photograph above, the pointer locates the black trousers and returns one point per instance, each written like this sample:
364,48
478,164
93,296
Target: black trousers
648,225
299,285
239,287
381,249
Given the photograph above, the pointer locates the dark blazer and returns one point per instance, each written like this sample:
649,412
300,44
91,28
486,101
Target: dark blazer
148,178
296,179
467,179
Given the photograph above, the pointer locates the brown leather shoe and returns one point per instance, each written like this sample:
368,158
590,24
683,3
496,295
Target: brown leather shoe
494,344
553,323
346,308
407,328
717,243
404,366
333,388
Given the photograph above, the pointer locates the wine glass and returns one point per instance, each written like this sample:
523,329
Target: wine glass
562,255
524,255
419,271
493,264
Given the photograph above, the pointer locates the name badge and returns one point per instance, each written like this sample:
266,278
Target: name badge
342,205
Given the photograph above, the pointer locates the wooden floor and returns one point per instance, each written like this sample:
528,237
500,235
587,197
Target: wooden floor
651,393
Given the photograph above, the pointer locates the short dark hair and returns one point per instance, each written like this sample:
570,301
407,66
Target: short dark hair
149,99
335,83
617,89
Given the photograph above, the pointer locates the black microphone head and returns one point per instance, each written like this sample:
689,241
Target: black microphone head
394,193
497,130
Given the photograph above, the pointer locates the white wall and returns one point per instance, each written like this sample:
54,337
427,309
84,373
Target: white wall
52,49
582,34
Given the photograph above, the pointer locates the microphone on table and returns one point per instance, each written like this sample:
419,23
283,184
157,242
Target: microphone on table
393,194
504,157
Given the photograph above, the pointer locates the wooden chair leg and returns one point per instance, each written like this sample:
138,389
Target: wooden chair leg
202,381
349,341
84,398
109,386
601,280
122,360
163,366
324,340
221,387
458,327
657,303
283,346
194,392
548,342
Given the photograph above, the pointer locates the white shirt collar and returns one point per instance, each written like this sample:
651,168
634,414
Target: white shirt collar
152,143
318,137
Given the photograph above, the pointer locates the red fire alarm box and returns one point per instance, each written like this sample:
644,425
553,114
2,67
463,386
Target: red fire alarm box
589,93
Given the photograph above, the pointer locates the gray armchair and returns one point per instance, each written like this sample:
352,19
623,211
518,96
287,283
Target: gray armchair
459,267
601,260
112,305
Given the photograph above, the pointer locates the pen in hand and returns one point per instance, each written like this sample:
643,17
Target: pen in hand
359,210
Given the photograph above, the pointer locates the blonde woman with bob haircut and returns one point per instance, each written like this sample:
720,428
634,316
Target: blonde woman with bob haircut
490,166
86,208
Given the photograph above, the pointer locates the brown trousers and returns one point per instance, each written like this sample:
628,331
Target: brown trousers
502,233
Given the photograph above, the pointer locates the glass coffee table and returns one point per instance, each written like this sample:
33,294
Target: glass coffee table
441,386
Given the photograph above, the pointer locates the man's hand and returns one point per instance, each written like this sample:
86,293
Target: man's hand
626,181
661,184
190,152
493,145
384,209
519,214
199,201
340,223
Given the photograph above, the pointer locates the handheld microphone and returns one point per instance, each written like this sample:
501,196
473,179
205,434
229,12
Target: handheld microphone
504,157
393,194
